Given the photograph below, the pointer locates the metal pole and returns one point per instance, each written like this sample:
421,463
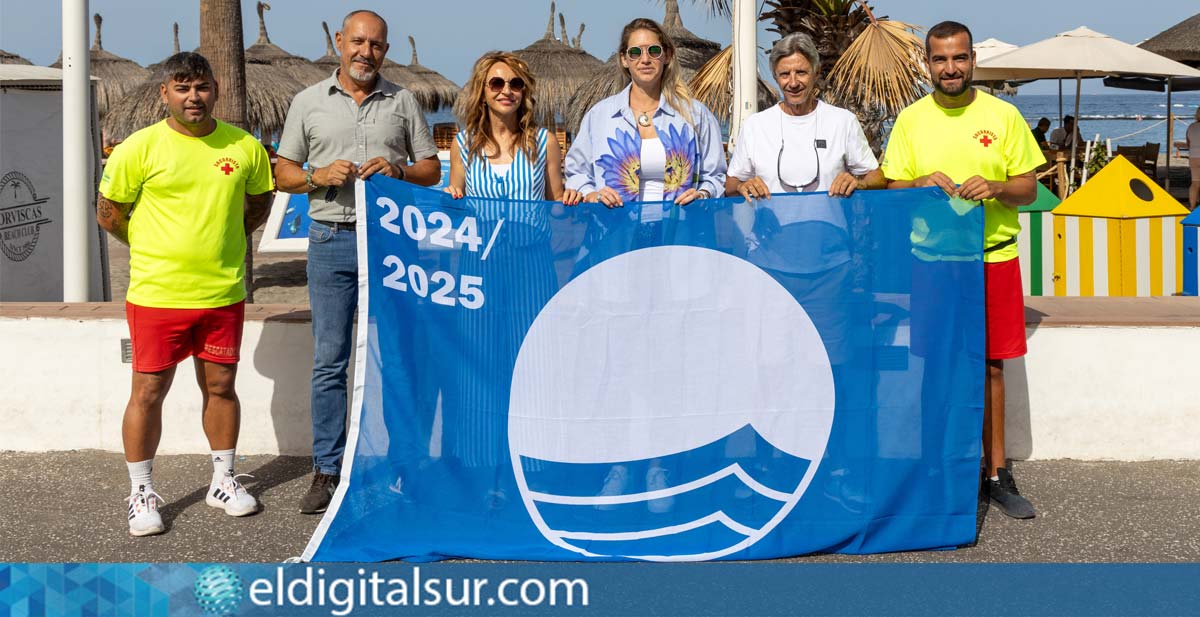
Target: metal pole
77,176
1060,118
745,70
1075,130
1170,136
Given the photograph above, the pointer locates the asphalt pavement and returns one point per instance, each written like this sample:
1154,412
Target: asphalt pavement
69,507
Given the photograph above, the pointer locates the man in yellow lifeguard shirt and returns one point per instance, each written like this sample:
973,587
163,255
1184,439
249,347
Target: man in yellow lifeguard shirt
978,148
184,194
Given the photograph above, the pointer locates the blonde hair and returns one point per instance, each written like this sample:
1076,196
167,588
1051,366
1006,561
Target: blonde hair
473,113
674,89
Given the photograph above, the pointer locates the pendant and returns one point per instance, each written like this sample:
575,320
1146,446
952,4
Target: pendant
643,120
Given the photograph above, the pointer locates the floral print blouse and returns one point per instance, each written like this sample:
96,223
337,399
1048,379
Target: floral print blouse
607,150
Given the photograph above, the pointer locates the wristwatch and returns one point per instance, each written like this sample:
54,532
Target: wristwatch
308,181
704,193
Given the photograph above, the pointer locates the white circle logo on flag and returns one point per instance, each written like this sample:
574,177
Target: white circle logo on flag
669,404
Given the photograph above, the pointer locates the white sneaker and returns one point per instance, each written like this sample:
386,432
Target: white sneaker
614,484
229,495
144,519
656,480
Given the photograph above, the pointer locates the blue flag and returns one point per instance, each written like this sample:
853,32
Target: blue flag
724,380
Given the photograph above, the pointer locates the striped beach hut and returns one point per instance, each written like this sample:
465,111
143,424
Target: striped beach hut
1191,254
1035,244
1118,235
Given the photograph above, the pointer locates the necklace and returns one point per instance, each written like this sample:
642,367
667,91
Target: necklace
643,119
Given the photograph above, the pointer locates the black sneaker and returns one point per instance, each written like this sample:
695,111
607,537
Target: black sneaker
319,494
1005,494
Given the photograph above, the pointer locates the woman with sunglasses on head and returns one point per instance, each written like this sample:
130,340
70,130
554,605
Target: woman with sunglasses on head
652,141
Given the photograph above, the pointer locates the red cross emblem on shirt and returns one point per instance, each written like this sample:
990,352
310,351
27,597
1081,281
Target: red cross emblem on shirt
227,169
985,140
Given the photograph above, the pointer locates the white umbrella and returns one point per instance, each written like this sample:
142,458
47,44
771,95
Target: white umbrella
1077,54
987,49
991,47
1082,52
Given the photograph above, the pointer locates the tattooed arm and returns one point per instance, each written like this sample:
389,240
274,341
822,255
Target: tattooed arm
114,217
257,209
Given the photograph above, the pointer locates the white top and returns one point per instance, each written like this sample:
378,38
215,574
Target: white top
654,173
1058,139
500,169
757,147
1193,140
845,148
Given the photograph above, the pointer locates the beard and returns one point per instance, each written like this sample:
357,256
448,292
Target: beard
966,83
362,74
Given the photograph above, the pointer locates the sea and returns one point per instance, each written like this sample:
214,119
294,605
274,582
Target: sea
1127,118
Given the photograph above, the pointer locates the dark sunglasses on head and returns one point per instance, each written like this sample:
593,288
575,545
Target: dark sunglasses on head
516,84
636,51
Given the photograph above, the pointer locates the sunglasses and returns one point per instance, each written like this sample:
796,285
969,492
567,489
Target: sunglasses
636,51
516,84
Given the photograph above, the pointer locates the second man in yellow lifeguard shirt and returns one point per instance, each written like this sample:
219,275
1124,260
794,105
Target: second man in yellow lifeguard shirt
977,148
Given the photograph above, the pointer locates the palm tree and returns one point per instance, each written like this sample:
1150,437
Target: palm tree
871,66
221,43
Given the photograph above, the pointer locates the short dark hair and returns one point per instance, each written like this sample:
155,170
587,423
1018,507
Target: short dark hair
184,66
1068,118
945,30
1042,121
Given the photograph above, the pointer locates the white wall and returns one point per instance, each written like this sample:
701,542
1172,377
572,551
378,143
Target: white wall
1089,393
66,388
1100,393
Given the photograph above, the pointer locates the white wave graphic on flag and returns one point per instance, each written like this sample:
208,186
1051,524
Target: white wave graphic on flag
668,404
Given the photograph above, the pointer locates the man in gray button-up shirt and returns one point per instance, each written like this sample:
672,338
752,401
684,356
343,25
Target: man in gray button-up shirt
352,125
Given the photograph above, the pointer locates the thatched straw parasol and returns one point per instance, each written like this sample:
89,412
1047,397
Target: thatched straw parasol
263,51
1180,42
117,75
11,58
269,92
429,84
692,52
713,86
560,70
153,68
331,60
431,89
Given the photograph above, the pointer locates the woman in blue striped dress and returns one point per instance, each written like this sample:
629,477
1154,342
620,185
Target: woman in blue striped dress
499,163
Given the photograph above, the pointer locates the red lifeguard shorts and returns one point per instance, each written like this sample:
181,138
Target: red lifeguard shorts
164,337
1005,310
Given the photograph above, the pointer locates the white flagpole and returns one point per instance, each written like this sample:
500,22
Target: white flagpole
77,171
745,65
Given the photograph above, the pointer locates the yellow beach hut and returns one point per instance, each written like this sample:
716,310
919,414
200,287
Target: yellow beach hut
1118,235
1035,243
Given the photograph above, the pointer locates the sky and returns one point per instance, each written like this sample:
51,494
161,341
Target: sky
451,34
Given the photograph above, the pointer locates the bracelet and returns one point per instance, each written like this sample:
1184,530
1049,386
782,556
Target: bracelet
308,181
400,168
704,193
